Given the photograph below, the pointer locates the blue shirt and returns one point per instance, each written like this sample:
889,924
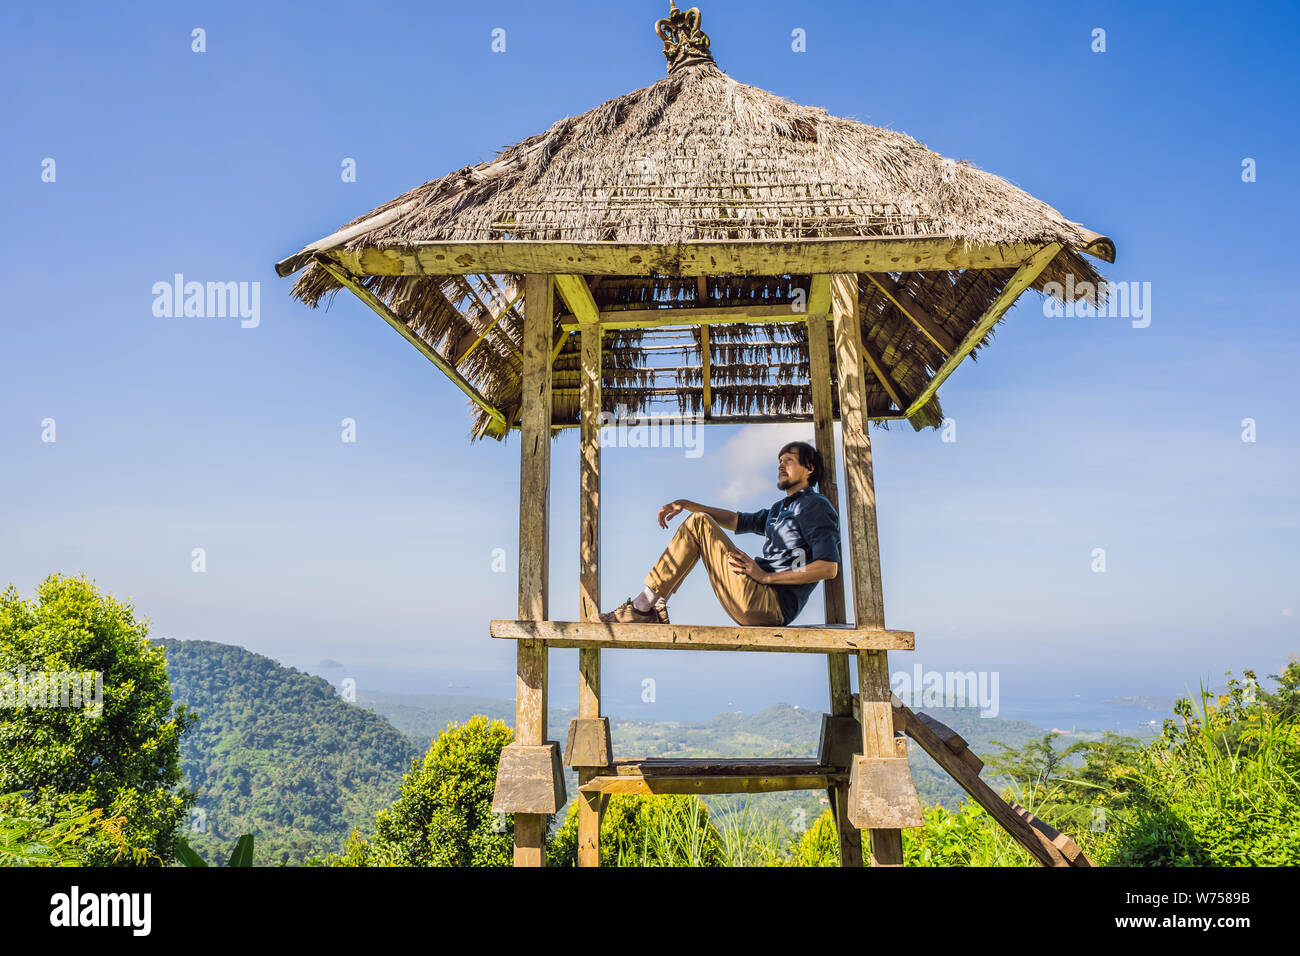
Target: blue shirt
800,528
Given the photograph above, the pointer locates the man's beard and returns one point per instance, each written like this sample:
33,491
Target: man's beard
784,483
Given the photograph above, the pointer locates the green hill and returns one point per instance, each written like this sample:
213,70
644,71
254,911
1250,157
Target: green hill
421,717
277,753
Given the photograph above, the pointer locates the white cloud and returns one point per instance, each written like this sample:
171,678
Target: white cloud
750,457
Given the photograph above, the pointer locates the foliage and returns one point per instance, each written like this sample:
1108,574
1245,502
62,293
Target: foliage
356,852
121,756
819,845
278,753
1220,787
443,814
56,838
638,830
241,855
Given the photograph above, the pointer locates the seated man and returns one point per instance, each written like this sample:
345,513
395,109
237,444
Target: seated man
802,548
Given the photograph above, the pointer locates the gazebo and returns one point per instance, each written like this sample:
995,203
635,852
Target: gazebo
722,255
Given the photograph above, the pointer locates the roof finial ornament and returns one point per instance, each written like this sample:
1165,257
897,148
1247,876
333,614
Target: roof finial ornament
684,42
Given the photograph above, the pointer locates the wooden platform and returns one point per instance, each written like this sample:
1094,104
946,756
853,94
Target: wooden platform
843,638
713,775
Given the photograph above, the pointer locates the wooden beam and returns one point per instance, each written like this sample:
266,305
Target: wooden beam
690,315
740,419
702,785
882,374
498,426
873,667
1017,284
534,542
702,637
659,775
952,740
837,665
868,592
519,294
560,338
914,312
761,257
578,296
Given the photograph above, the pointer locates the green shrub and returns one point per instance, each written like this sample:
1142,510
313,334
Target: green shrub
443,814
121,757
819,845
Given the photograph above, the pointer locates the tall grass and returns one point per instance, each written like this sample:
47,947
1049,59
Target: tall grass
1223,789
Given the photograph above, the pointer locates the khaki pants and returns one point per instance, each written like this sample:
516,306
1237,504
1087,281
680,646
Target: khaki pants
747,602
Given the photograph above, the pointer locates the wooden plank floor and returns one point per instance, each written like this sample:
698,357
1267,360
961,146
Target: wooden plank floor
808,640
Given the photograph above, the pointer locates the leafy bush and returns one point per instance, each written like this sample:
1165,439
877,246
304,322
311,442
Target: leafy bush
443,814
56,834
124,762
819,845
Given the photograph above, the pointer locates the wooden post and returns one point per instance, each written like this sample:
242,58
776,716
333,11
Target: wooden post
868,599
841,690
534,542
589,597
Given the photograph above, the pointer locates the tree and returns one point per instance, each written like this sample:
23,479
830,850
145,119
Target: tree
443,814
119,750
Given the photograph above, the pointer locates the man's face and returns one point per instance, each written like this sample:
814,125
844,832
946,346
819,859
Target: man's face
789,473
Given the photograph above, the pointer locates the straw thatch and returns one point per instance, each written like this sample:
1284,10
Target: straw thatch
700,156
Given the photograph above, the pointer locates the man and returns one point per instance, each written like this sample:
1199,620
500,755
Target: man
802,548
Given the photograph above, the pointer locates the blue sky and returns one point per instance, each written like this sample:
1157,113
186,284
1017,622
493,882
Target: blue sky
1072,433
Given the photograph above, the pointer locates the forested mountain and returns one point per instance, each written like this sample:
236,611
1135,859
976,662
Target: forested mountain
277,753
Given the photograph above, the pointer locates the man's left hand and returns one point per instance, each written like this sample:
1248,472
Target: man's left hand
742,563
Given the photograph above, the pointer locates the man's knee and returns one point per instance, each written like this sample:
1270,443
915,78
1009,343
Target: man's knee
699,523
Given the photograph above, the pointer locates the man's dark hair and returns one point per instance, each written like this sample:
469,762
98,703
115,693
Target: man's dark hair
809,457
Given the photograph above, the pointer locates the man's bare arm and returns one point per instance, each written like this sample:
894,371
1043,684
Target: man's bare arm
810,573
726,519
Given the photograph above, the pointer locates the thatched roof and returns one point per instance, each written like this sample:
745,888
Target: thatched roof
699,157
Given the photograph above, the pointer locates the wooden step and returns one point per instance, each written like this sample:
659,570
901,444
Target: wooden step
964,767
820,639
714,775
1062,841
